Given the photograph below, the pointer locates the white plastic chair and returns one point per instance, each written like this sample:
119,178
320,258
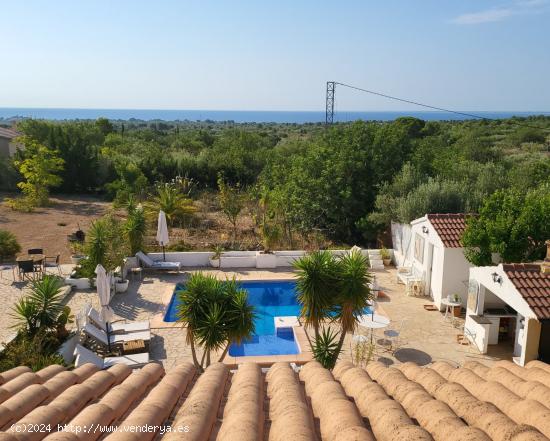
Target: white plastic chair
84,356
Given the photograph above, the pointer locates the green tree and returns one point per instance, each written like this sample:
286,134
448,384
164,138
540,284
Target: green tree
39,168
512,223
232,203
9,246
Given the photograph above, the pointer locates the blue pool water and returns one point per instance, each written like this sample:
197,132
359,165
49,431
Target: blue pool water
271,299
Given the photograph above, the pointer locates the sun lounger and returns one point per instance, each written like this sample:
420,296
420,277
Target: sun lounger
84,356
151,264
118,326
114,339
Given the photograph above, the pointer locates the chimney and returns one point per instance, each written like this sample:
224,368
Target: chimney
545,267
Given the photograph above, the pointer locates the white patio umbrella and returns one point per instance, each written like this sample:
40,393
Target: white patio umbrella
103,285
162,232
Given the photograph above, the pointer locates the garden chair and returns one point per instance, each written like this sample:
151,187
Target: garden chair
117,326
148,263
54,264
105,340
393,335
6,266
84,356
26,269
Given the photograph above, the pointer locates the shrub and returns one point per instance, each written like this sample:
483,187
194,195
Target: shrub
42,308
36,351
9,246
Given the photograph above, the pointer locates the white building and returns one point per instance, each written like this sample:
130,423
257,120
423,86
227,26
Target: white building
431,250
509,304
7,145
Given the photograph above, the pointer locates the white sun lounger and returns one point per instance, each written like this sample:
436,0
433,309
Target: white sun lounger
116,327
101,337
149,263
84,356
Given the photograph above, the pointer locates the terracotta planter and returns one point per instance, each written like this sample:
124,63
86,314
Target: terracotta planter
387,262
456,311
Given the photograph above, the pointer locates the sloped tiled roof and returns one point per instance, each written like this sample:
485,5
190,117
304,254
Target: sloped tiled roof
439,402
449,228
8,133
532,285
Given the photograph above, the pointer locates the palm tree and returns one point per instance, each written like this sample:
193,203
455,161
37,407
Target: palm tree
193,302
42,308
216,314
317,284
354,293
240,315
175,204
135,228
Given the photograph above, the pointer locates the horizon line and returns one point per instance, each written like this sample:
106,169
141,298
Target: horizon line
258,110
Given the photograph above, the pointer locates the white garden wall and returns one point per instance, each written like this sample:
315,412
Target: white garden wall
231,259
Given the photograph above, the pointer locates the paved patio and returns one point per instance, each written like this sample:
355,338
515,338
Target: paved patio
425,335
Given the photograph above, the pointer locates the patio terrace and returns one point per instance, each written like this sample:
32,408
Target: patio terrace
426,336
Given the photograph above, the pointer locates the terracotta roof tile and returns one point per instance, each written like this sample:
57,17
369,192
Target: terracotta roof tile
533,286
449,228
8,133
350,403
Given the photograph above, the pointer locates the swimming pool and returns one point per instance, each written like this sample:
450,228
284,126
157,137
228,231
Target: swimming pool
271,299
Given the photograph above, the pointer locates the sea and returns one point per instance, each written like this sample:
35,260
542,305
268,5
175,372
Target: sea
242,116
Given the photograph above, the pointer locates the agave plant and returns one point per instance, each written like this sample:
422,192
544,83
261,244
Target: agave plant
325,348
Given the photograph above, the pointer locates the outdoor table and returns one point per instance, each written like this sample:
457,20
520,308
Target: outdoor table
373,321
136,272
133,347
36,258
449,305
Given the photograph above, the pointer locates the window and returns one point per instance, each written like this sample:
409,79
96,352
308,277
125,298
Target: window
419,248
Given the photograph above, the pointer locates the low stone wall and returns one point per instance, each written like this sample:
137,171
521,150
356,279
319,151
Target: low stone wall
233,259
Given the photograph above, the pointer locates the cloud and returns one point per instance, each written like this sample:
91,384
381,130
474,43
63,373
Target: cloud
501,13
487,16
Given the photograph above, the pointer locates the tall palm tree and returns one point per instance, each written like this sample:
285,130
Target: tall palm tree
193,303
317,285
354,293
216,313
240,315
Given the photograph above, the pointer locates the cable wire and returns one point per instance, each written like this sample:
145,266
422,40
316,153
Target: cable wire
470,115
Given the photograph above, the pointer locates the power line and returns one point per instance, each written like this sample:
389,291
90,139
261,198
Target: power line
403,100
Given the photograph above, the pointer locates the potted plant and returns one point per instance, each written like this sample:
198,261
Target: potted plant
121,283
76,252
386,256
456,309
215,259
63,319
270,238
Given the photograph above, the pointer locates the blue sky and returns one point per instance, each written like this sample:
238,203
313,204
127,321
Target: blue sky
275,55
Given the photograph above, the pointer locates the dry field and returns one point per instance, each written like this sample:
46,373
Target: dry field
49,227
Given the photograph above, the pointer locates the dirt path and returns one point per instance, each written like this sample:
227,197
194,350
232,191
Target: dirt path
48,228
